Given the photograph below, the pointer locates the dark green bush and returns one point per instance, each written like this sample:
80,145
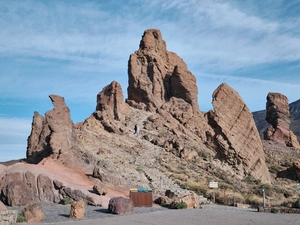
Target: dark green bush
21,218
67,200
180,205
274,210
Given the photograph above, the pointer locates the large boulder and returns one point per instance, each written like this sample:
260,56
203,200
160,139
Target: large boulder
156,75
278,115
33,213
235,135
120,205
16,193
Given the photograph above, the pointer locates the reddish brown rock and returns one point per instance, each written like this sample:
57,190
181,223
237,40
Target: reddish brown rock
120,205
278,114
33,213
37,145
2,206
16,193
156,75
45,189
111,100
236,136
77,210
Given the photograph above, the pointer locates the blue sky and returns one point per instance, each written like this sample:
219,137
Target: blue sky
75,48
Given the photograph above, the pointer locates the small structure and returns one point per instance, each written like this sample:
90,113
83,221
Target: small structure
141,197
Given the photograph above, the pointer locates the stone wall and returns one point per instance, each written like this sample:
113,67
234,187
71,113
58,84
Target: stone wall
8,217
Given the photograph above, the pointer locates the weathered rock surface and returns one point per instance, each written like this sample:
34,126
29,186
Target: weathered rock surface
52,135
77,210
278,114
156,75
111,100
16,193
2,206
120,205
236,137
33,213
176,141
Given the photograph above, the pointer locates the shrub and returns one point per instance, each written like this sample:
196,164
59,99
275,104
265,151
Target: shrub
180,205
67,200
21,218
139,169
274,210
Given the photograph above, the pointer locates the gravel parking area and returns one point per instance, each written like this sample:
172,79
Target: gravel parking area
208,215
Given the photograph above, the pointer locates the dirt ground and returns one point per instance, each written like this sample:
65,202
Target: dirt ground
208,215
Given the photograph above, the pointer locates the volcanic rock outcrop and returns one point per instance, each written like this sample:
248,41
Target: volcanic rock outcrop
156,75
236,137
278,114
52,135
177,142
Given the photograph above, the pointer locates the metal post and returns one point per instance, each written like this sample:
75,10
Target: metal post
264,196
214,195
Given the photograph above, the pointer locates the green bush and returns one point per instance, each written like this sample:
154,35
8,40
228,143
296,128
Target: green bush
67,200
21,218
274,210
180,205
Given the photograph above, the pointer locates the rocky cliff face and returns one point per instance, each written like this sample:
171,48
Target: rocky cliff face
177,141
235,135
278,114
156,75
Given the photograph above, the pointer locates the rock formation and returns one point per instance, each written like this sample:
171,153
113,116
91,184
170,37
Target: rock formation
52,135
156,75
278,114
120,205
235,134
77,210
176,141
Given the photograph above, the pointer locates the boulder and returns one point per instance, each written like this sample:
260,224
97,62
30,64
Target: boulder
278,115
99,190
45,189
235,135
16,193
120,205
33,213
191,200
77,210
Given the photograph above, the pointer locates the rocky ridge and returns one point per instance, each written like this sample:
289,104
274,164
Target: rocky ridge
178,144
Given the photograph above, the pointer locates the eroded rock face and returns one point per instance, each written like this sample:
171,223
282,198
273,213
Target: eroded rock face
111,100
278,114
236,137
156,75
52,135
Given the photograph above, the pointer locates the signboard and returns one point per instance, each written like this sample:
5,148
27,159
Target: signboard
213,184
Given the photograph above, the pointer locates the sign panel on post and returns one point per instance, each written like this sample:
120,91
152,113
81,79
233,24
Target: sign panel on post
213,184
